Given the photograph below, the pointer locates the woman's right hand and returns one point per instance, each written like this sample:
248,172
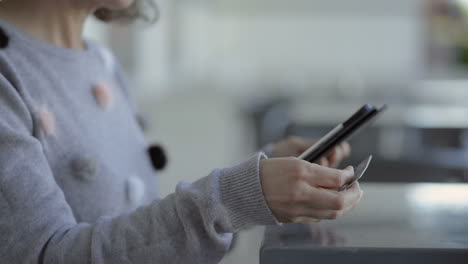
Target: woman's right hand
298,191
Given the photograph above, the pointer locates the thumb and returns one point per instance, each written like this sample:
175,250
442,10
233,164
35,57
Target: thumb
349,168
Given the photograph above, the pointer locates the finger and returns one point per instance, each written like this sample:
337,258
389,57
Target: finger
320,199
328,204
304,211
322,214
305,220
355,188
308,213
332,156
315,198
323,162
346,148
336,156
352,196
349,168
321,176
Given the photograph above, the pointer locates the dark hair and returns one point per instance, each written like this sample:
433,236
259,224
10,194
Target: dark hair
145,10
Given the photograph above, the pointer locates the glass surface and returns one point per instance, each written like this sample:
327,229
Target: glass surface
409,216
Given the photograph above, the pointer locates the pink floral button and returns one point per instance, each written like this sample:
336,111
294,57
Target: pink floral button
104,95
46,120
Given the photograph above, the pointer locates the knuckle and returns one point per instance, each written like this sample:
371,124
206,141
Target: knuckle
305,220
324,162
336,214
338,151
298,220
333,215
315,168
347,148
337,180
299,171
294,197
338,203
344,176
339,213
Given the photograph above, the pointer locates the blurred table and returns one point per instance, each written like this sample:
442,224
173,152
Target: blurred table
394,223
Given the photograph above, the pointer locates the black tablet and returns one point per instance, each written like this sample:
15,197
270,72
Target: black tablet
342,132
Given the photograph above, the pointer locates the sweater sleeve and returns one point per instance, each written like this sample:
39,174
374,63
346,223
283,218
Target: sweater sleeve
192,225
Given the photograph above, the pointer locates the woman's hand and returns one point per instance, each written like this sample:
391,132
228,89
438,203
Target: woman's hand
298,191
295,146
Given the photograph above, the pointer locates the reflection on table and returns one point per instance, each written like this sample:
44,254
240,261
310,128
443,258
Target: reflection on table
395,223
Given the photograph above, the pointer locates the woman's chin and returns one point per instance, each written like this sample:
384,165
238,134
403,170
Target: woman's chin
126,3
118,4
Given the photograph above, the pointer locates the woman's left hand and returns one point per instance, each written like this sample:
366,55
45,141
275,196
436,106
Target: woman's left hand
295,146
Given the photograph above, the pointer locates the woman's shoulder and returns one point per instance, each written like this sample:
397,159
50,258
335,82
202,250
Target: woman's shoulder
12,101
8,58
103,53
7,75
13,107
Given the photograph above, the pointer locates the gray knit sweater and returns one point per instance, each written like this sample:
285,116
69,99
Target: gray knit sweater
76,184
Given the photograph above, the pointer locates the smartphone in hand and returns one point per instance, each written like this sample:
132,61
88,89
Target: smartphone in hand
364,116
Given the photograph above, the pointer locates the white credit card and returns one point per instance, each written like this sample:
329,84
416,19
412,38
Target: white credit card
358,173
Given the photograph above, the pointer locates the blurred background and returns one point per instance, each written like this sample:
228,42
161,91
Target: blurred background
218,79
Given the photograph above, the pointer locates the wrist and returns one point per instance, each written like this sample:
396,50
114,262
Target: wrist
242,195
269,149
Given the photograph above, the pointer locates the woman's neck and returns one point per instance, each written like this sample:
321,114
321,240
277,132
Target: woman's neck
58,22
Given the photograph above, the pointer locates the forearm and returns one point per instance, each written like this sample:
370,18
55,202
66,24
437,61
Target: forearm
192,225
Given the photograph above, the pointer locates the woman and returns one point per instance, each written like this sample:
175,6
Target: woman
76,185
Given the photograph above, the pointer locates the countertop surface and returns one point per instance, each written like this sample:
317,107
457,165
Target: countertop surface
391,218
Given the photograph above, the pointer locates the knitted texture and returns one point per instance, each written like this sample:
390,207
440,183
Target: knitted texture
76,182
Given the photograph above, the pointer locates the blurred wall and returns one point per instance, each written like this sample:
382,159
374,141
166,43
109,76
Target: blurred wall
245,45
